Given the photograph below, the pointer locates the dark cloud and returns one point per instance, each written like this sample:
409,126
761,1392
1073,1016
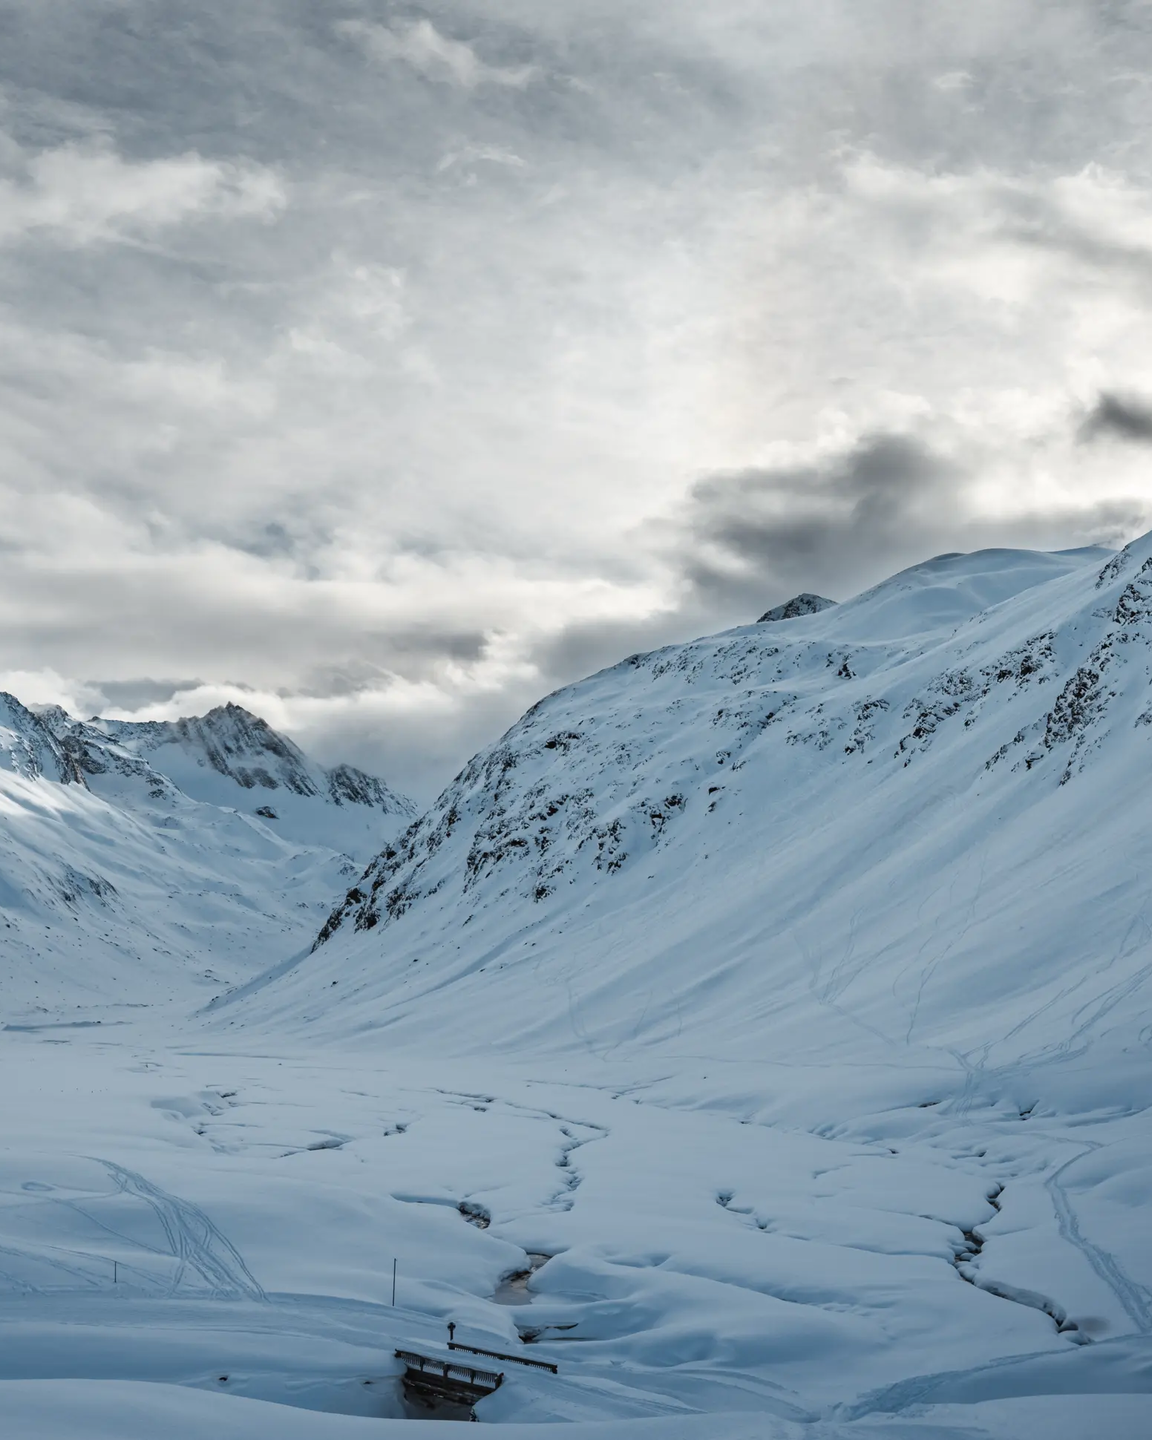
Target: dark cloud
824,526
1118,417
584,647
840,524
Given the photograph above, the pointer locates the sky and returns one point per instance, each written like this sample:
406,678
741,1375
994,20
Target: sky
382,367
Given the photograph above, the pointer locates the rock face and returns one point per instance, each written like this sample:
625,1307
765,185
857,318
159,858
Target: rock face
803,604
28,746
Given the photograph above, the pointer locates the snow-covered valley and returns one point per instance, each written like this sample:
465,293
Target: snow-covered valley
759,1032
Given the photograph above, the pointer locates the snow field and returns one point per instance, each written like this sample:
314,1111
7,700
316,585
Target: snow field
707,1267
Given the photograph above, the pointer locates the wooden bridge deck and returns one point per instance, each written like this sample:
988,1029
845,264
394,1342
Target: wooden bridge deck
432,1378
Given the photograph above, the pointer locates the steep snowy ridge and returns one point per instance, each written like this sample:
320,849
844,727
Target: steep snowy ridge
139,860
838,832
28,746
240,746
586,781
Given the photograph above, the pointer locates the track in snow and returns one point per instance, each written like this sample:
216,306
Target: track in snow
1136,1299
196,1242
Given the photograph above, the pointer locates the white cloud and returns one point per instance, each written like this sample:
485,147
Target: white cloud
435,56
1071,249
953,80
86,193
493,154
46,687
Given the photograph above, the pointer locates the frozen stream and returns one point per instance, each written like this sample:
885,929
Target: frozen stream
514,1289
681,1264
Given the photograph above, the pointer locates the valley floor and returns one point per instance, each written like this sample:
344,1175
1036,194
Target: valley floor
704,1263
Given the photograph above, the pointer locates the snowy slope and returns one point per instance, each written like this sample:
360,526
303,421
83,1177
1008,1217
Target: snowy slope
133,864
906,824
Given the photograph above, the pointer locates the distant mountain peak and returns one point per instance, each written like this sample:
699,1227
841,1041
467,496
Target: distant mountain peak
29,746
802,604
228,757
244,747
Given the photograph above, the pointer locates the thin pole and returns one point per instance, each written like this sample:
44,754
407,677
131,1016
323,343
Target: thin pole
115,1273
393,1284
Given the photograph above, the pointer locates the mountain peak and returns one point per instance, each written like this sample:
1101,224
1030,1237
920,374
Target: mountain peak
231,713
29,747
803,604
228,757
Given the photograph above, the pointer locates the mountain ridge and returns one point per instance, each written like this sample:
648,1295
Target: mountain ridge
745,649
794,838
138,859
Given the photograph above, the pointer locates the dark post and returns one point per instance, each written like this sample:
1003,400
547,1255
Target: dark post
451,1331
393,1284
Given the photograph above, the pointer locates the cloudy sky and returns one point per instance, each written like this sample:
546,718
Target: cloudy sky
383,366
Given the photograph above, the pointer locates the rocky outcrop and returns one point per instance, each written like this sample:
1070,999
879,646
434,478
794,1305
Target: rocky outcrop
803,604
30,748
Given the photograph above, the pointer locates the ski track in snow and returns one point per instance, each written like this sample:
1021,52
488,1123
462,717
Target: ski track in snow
1136,1299
196,1243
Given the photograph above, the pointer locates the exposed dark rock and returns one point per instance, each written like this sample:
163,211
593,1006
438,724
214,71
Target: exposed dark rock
804,604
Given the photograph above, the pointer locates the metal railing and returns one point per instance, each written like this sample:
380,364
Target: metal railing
499,1355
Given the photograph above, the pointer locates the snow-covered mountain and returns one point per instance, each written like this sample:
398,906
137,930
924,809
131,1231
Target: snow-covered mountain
29,747
134,857
232,758
912,822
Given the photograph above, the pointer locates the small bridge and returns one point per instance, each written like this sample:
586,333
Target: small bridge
438,1379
